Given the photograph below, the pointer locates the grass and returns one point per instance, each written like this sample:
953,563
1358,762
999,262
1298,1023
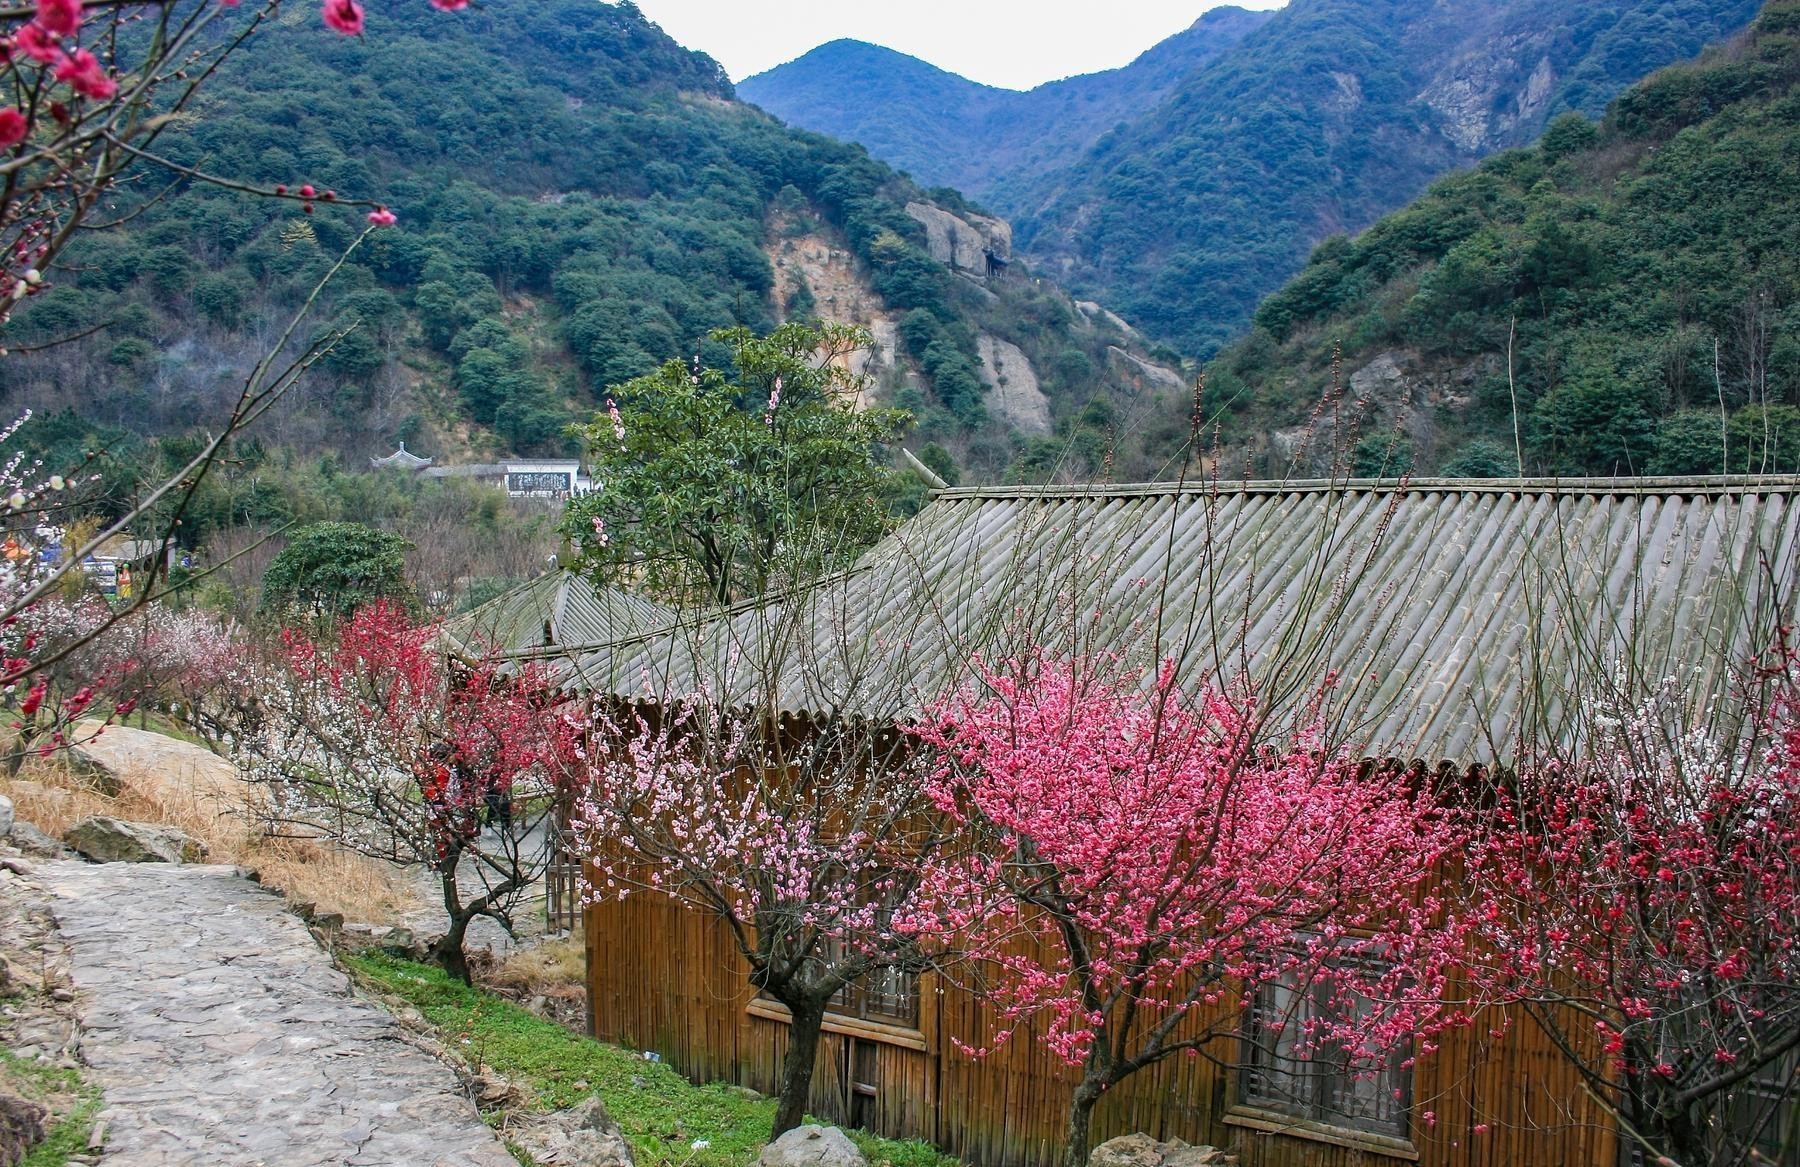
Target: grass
661,1113
71,1101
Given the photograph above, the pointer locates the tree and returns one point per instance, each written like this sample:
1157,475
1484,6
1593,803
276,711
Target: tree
373,739
812,853
1150,863
1645,893
719,488
330,570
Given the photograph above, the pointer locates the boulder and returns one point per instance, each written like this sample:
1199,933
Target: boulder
973,245
6,816
99,771
582,1136
27,838
21,1128
812,1146
1140,1150
108,840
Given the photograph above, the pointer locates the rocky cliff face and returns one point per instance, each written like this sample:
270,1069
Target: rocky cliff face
971,245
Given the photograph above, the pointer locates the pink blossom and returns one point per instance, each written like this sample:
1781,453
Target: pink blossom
449,5
13,127
38,43
382,217
344,15
62,17
83,74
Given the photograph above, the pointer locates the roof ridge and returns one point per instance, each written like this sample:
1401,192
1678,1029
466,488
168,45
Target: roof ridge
1568,487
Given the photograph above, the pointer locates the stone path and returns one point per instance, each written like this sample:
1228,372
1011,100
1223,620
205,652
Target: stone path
220,1033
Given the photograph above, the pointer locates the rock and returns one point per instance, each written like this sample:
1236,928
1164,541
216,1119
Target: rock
16,866
109,840
582,1136
95,768
1140,1150
1013,389
6,816
492,1092
1143,376
362,937
27,838
21,1128
812,1146
973,245
6,977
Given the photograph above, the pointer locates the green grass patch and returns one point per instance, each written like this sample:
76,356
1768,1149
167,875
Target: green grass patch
661,1113
71,1101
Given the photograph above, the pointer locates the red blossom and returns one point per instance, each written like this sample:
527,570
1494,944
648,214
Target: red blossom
39,43
83,73
344,15
62,17
13,127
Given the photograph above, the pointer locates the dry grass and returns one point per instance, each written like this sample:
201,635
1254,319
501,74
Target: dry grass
49,793
543,968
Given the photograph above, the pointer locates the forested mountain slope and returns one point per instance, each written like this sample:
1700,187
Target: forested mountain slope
1621,298
580,200
1331,114
946,130
1212,165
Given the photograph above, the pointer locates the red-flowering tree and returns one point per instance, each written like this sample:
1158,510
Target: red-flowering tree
374,739
811,848
1151,862
1646,895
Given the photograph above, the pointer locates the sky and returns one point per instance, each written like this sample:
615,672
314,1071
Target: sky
1015,44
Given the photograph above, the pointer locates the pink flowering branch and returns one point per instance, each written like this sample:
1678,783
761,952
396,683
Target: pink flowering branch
1162,858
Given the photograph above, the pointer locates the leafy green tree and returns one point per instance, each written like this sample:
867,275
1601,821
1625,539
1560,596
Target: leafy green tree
329,570
1382,455
716,486
1481,458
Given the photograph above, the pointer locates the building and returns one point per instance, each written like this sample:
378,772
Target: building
553,479
1461,618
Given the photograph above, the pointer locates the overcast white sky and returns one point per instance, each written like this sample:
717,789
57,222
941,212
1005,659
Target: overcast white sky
1011,43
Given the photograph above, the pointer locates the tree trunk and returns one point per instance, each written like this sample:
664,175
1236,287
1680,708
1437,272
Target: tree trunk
797,1066
448,954
1081,1121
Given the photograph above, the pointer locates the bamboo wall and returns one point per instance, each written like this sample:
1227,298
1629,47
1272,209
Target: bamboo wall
667,979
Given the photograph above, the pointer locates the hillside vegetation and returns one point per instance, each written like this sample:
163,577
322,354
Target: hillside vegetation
1331,114
581,200
1639,277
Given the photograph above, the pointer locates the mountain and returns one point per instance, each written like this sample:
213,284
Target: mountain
946,130
581,199
1198,200
1621,297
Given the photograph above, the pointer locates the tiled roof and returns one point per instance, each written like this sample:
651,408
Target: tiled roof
513,623
1454,612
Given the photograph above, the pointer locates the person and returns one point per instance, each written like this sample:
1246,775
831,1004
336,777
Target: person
497,794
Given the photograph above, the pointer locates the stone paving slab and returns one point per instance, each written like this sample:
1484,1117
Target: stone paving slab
220,1033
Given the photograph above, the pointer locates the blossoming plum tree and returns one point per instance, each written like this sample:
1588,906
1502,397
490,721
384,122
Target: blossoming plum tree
1645,892
374,739
812,849
1149,861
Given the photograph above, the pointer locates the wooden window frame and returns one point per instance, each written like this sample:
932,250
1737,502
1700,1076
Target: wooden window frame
1313,1116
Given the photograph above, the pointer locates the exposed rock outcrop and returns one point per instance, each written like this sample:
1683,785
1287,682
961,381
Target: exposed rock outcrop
826,268
1468,93
1140,375
109,840
6,816
1013,389
812,1146
974,245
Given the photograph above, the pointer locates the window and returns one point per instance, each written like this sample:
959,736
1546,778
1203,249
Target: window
887,995
1318,1084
